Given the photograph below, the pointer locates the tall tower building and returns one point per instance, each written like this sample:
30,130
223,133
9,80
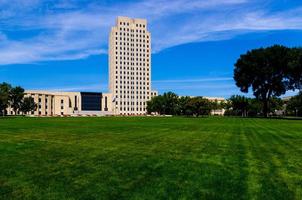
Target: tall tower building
130,66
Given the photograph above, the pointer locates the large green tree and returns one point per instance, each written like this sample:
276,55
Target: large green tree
294,72
264,70
5,89
28,105
16,96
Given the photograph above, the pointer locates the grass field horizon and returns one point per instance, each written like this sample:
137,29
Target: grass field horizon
150,158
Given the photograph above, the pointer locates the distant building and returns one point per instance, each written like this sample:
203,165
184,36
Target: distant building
69,103
219,100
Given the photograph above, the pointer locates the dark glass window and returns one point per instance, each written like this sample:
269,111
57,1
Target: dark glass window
75,103
91,101
106,108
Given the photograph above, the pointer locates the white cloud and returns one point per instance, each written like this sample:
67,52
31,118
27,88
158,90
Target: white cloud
67,30
213,86
221,26
88,87
210,79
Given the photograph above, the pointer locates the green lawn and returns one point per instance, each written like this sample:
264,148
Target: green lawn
150,158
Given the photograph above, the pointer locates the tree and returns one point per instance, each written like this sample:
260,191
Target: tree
163,104
156,105
28,104
181,106
170,101
16,96
264,70
5,89
199,106
239,105
294,105
276,104
247,107
254,107
170,104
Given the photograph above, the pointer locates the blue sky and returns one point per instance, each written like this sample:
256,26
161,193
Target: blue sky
62,44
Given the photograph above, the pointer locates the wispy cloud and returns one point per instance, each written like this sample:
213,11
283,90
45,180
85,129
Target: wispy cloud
87,87
212,79
213,86
68,30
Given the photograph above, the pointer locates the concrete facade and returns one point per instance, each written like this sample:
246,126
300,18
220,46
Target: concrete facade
66,103
130,66
53,103
107,104
219,100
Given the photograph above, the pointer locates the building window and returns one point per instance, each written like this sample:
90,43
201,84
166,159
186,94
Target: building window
75,103
62,104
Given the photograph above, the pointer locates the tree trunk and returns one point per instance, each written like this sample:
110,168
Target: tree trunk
265,108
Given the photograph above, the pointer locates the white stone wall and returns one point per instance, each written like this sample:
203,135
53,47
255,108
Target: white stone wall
130,66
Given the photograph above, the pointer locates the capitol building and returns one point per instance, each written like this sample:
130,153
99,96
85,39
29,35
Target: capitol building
129,78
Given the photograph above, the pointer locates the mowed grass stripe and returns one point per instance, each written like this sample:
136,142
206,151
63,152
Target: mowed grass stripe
150,158
266,152
284,156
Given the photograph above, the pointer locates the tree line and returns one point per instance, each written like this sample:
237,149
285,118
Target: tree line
237,105
13,97
171,104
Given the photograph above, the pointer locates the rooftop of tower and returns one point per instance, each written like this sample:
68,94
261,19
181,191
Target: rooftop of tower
131,20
